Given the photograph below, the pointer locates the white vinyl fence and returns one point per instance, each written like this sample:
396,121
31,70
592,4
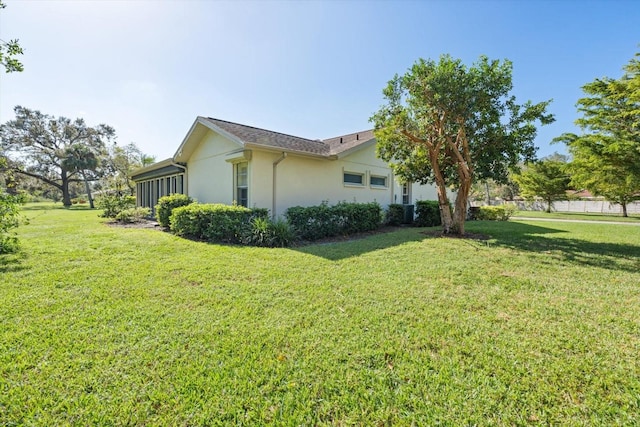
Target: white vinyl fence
577,206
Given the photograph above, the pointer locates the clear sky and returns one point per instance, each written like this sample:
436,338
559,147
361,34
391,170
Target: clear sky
314,69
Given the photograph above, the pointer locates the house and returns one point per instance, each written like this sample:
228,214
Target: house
224,162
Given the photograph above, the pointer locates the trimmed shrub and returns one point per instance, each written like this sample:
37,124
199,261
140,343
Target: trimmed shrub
495,213
317,222
166,204
9,219
260,213
395,214
268,233
427,213
112,204
210,222
132,215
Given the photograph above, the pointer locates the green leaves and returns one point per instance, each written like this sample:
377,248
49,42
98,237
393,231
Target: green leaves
449,124
8,52
547,179
607,155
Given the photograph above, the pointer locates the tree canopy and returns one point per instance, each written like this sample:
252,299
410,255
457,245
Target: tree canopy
547,179
606,156
449,124
56,151
8,52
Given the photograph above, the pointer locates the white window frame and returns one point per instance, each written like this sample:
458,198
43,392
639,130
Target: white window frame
379,186
236,183
353,184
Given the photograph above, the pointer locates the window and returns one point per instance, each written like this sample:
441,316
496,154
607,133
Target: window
242,188
406,193
353,178
378,181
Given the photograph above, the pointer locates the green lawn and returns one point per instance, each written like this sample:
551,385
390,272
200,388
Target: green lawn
118,326
578,216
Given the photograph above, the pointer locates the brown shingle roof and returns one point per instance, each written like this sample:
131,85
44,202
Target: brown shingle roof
253,135
268,138
343,143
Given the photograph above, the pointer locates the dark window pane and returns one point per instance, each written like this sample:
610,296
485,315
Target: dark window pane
352,178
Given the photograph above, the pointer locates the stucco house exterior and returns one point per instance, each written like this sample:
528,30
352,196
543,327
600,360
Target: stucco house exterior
224,162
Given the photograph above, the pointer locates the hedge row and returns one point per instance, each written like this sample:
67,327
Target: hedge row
494,213
210,222
166,205
427,213
317,222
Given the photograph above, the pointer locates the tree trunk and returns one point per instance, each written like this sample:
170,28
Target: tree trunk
88,190
460,212
624,209
549,205
441,188
66,198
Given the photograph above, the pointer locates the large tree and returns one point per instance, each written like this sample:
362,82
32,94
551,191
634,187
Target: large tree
606,156
8,52
51,149
120,163
547,179
449,124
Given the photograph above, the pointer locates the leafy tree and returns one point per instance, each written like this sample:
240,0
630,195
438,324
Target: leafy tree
449,124
120,163
547,179
86,161
606,156
48,148
8,52
489,189
9,217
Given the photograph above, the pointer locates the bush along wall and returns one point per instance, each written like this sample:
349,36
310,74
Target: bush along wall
395,214
210,222
317,222
166,205
427,213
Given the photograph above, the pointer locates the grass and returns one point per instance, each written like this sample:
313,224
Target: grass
578,216
113,326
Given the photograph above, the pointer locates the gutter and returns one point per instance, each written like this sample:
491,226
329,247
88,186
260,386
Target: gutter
274,183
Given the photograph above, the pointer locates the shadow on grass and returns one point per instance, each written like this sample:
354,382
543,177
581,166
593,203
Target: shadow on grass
46,206
358,245
10,263
537,239
544,240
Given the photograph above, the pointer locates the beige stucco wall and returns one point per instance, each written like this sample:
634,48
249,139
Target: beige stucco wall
300,180
210,176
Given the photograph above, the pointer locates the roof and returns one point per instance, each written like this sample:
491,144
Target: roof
245,135
343,143
161,168
268,138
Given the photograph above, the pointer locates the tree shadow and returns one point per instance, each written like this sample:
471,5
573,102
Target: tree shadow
544,240
11,263
338,249
517,236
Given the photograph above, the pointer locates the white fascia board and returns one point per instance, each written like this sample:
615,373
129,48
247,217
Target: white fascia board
203,121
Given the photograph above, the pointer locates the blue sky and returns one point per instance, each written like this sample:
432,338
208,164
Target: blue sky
314,69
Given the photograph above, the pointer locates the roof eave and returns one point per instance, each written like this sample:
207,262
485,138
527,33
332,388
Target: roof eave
200,120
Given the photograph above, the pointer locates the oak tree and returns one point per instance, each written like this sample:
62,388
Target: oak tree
52,150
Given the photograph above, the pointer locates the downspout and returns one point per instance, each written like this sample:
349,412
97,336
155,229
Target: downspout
273,192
